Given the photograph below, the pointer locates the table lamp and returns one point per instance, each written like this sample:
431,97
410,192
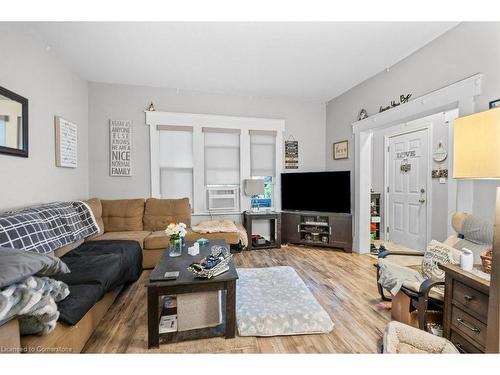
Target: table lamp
476,155
253,188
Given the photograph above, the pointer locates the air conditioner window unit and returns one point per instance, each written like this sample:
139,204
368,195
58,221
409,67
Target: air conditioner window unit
223,198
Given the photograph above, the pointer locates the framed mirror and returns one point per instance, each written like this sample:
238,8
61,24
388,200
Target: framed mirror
13,124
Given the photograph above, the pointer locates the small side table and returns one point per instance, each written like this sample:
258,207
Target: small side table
466,300
274,228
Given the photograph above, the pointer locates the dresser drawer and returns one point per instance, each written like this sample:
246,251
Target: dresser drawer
462,344
469,326
471,299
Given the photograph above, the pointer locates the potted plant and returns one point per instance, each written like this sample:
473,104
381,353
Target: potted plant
176,232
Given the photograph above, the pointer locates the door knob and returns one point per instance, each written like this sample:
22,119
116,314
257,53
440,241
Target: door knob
422,190
421,200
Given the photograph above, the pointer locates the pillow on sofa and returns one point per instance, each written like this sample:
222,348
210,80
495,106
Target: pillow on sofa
121,215
161,212
16,265
438,253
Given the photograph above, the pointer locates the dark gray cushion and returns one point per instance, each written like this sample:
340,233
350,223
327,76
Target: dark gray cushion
17,265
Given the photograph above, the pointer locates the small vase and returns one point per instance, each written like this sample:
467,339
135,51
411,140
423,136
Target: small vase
175,247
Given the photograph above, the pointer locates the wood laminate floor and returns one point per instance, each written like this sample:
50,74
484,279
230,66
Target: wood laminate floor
344,284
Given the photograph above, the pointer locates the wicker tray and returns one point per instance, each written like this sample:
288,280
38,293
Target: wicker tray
486,258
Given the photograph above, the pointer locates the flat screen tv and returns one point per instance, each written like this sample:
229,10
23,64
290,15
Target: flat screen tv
316,191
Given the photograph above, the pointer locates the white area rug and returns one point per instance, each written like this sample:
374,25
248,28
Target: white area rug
275,301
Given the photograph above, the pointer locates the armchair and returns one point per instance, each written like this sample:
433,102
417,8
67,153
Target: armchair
419,293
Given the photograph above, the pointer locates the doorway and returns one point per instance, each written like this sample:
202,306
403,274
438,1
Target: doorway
407,188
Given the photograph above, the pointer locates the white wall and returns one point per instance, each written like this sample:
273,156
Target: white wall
468,49
304,120
52,89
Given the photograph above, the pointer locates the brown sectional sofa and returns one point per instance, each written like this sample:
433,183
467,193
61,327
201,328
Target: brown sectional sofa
140,220
145,221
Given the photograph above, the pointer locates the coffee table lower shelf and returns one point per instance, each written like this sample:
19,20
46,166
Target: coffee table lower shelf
227,328
193,334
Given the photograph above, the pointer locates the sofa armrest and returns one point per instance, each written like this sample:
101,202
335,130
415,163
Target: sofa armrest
10,337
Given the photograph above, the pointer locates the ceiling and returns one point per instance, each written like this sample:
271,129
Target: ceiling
306,61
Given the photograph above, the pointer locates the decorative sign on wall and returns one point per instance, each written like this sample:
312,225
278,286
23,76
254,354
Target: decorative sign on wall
66,143
341,150
440,173
402,99
291,153
405,165
406,154
120,144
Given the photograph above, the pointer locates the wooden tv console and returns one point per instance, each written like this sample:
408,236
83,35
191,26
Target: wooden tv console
317,229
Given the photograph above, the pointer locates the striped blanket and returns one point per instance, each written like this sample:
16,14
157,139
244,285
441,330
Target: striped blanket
33,302
47,227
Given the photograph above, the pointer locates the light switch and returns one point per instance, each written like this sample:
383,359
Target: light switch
442,180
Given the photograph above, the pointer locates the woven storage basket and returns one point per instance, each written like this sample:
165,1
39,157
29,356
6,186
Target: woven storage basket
486,260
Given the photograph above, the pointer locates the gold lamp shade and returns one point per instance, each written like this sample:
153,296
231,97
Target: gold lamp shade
477,146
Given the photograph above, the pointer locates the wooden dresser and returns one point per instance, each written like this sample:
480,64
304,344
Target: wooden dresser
465,309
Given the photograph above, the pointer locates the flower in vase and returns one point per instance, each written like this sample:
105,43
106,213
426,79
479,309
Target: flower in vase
176,231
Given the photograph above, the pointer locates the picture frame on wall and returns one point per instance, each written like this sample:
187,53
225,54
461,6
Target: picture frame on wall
495,104
120,148
341,150
66,141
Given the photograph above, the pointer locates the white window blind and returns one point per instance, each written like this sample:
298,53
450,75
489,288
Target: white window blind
176,162
262,153
222,156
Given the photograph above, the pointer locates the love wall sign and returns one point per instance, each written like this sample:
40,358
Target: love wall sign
120,146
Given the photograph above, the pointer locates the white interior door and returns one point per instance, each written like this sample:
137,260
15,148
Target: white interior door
408,172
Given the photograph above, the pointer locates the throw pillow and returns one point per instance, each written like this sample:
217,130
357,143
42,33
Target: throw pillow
16,265
438,253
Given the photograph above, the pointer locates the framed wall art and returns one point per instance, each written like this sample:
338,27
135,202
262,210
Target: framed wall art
120,147
66,143
291,153
341,150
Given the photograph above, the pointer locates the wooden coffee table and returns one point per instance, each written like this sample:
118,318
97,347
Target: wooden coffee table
188,283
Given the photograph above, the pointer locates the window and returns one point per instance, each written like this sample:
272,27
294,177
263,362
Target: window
222,168
176,162
263,165
222,156
207,157
265,200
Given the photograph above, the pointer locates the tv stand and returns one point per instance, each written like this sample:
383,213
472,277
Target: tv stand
317,229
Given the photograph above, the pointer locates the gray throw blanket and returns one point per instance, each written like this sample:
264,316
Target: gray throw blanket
393,277
33,303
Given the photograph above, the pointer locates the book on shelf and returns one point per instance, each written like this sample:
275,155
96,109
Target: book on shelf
168,323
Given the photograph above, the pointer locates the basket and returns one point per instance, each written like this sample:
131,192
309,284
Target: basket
486,260
209,273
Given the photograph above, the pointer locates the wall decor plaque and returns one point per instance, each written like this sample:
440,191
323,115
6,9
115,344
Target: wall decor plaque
120,147
291,154
66,143
341,150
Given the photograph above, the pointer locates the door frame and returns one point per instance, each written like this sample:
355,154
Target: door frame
402,129
460,95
